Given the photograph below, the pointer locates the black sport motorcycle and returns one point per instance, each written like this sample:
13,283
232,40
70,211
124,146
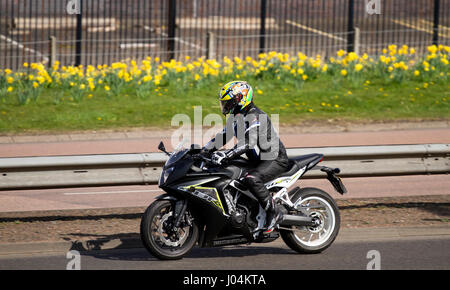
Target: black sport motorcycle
208,205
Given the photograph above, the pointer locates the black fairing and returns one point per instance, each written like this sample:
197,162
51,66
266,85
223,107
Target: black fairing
181,183
205,212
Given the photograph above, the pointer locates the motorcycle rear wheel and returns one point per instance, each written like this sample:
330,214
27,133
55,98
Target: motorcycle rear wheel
158,236
320,205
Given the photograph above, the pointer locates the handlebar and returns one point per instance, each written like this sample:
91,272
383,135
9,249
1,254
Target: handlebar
202,157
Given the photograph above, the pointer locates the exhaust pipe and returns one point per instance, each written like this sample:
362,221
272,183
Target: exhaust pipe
295,220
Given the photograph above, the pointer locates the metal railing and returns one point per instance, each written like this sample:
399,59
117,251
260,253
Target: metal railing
145,168
215,47
182,23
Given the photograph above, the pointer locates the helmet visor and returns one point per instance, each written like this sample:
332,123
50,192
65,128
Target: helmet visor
227,105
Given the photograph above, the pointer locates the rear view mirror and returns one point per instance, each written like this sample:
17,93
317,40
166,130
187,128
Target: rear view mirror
162,148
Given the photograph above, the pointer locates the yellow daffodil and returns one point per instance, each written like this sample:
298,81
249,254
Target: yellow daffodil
341,53
432,49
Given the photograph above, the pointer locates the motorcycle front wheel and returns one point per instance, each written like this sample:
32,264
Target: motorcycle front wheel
159,236
321,207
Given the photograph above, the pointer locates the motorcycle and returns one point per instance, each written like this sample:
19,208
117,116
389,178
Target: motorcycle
208,205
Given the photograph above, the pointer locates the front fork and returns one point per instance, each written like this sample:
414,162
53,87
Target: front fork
179,212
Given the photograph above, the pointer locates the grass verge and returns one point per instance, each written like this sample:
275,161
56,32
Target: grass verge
317,99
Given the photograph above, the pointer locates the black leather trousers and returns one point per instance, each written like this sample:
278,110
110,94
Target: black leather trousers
264,172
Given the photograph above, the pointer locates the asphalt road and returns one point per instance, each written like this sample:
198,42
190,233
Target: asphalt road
430,253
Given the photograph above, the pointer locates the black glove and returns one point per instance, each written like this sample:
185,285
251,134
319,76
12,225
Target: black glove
219,158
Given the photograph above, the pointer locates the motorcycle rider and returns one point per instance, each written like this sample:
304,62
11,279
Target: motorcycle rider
256,138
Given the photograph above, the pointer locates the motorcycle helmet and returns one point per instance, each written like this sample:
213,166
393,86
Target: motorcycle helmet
234,96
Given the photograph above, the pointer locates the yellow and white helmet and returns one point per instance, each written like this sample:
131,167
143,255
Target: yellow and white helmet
234,96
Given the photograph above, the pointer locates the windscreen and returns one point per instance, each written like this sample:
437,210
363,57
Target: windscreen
177,154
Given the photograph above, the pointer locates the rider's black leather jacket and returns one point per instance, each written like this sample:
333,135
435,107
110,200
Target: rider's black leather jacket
255,134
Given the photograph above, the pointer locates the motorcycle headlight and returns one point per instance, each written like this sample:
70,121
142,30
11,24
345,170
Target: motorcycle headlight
165,174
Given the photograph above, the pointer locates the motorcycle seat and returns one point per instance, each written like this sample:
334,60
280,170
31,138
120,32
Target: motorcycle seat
308,159
293,168
298,162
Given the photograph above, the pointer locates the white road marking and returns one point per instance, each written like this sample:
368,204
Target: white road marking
111,192
427,29
444,29
136,45
315,30
193,45
21,46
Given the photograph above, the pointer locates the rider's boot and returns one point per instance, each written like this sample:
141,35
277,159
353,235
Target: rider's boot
274,215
